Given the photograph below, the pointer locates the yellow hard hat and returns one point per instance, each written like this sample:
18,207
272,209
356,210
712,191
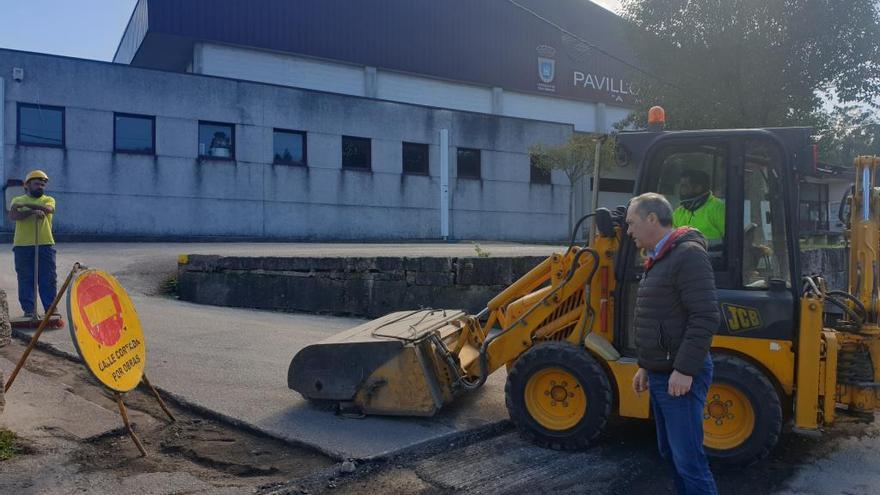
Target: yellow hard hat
36,174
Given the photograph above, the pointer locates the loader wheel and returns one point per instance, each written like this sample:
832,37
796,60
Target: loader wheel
558,396
743,417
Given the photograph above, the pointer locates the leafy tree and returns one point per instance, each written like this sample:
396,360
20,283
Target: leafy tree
753,63
575,158
851,131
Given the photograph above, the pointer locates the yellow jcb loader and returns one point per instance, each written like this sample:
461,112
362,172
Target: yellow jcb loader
564,331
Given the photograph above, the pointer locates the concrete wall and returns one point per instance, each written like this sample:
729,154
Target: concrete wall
177,194
291,70
830,263
373,287
368,287
5,337
277,68
5,325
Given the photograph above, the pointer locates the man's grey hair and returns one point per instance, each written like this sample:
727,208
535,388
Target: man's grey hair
645,204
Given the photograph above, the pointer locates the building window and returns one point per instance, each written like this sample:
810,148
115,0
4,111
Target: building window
356,153
289,147
537,174
813,208
40,125
468,161
615,185
134,133
415,158
216,140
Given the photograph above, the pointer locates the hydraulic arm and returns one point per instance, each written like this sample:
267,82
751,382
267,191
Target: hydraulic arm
414,362
838,367
858,365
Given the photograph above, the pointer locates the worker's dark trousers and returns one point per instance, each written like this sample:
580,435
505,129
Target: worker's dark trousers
679,423
24,268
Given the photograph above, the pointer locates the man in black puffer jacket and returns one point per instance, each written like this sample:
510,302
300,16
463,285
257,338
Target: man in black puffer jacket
676,316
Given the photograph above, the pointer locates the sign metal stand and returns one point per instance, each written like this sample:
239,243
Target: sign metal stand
104,314
42,326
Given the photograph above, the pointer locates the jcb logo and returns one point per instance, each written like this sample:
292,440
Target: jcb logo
740,318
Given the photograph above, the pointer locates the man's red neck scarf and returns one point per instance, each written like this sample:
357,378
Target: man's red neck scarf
667,246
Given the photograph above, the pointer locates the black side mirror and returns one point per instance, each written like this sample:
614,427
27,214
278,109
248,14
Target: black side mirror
606,220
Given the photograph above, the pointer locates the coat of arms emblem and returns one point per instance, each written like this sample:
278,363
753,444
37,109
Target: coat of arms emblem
546,64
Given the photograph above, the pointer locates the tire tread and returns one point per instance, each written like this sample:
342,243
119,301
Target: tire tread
556,353
773,422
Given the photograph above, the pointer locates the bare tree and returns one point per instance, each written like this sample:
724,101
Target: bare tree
575,158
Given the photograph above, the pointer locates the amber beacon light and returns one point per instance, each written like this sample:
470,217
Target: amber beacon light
656,118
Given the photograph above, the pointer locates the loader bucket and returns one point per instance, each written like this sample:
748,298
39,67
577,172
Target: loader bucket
390,365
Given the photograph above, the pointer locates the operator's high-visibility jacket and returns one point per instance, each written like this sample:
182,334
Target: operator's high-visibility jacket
708,218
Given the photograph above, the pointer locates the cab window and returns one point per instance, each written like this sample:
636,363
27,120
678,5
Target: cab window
765,249
694,180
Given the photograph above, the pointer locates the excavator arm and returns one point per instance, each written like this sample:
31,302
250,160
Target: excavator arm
838,368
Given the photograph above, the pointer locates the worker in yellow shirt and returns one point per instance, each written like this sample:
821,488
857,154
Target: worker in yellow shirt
32,213
698,207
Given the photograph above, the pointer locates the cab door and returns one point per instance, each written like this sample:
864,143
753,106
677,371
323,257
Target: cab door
748,171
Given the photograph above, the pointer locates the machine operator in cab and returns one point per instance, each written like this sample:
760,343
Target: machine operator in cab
699,208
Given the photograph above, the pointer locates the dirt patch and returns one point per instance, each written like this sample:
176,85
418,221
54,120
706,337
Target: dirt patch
209,450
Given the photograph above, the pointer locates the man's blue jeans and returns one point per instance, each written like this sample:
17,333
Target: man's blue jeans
24,268
679,423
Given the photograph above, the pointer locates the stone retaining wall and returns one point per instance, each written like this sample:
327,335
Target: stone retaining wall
830,263
5,337
368,287
373,287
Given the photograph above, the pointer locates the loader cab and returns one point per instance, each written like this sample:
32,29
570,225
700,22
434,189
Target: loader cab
750,176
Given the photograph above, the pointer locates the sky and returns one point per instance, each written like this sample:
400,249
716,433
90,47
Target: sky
80,28
612,5
74,28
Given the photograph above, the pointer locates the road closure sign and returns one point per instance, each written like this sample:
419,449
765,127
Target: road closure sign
106,330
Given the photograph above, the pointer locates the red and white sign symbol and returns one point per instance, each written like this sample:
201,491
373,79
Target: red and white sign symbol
100,310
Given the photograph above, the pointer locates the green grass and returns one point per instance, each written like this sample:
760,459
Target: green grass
168,286
481,253
8,449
